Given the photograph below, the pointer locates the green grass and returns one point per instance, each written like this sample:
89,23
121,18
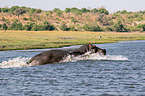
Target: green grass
17,40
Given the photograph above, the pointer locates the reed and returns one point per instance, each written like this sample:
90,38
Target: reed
18,40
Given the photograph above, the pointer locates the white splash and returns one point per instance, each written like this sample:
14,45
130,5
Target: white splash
96,56
15,62
21,62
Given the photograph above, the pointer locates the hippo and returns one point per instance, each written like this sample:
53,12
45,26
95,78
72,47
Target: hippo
55,56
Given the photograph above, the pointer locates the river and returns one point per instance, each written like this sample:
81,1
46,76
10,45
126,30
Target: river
120,72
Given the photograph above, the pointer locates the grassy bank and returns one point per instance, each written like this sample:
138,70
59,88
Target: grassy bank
16,40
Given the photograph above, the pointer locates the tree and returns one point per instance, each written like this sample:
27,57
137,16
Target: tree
28,26
38,11
103,19
119,27
73,20
63,26
84,10
103,10
31,11
123,12
5,10
59,12
73,9
35,27
13,8
3,19
47,26
16,26
94,10
5,27
0,9
19,11
55,9
0,25
92,27
143,27
67,10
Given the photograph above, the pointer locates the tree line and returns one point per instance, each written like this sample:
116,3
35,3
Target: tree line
120,21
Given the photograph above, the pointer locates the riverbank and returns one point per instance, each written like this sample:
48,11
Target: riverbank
22,40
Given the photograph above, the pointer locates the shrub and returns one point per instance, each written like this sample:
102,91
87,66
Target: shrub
143,27
16,26
94,10
28,26
5,10
92,27
73,20
47,26
103,10
67,10
5,27
123,12
72,28
55,9
109,29
35,27
63,26
19,11
3,19
25,18
38,11
119,27
58,12
84,10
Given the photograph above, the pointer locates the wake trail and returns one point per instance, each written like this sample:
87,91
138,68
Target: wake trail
21,61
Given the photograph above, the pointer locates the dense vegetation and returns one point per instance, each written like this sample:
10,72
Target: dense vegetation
71,19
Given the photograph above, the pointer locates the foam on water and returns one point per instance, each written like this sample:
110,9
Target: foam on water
96,56
15,62
21,61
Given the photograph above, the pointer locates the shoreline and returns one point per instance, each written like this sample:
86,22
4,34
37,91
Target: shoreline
24,40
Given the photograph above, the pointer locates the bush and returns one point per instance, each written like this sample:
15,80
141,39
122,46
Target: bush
38,11
25,18
73,20
3,19
5,10
28,26
67,10
55,9
84,10
143,27
58,12
72,28
123,12
19,11
5,27
94,10
47,26
16,26
35,27
63,26
109,29
103,10
92,27
119,27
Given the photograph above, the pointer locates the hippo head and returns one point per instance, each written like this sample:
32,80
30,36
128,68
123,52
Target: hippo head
95,49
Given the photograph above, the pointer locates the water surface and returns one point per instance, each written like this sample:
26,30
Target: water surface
120,72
